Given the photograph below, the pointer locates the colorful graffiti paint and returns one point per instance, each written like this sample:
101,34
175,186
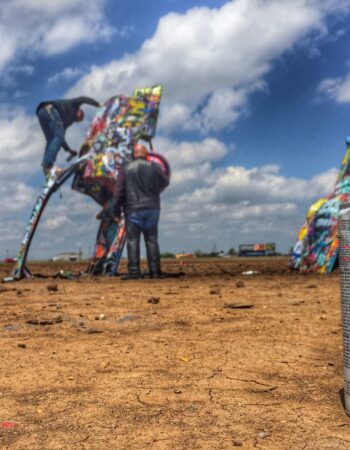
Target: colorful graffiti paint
52,183
108,250
116,127
316,249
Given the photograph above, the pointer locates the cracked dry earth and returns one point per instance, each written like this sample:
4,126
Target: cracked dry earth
211,360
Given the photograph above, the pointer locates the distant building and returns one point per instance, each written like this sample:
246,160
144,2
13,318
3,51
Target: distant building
67,256
184,255
257,249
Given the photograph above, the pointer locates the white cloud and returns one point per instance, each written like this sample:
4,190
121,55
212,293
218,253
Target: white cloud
263,185
224,107
68,74
14,196
21,144
337,89
188,153
205,204
28,27
54,223
211,60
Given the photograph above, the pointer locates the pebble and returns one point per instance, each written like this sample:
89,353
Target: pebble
100,317
153,300
263,434
93,331
215,291
21,345
240,284
52,287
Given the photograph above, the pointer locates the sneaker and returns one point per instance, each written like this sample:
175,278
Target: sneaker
56,172
53,172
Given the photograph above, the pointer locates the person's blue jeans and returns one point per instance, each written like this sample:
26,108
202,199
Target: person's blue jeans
144,218
145,222
53,129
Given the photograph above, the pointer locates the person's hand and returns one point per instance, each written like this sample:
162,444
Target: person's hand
106,214
72,154
99,216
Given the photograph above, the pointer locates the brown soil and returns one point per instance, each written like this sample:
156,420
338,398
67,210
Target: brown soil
172,364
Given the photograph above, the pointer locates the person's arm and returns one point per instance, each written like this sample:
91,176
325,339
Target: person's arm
87,100
72,153
66,147
119,193
163,178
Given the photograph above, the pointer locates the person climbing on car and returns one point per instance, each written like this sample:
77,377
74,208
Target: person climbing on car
137,192
55,116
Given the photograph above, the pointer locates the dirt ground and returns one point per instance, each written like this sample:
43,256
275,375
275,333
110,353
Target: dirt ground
173,364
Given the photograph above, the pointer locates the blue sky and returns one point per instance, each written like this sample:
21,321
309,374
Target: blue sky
254,116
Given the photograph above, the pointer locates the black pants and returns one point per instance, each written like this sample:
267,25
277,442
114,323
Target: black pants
134,230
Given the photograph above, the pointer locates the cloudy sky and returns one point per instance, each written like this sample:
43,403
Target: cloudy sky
254,116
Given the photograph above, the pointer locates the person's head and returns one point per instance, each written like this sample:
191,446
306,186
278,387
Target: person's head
140,151
79,115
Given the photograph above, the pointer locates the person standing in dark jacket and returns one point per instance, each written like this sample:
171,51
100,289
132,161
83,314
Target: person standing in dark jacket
55,116
137,192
